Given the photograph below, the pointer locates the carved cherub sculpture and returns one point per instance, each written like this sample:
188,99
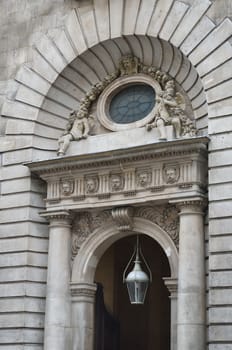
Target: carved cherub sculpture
164,116
77,129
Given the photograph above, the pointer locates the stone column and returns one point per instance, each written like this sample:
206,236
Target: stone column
191,279
58,307
171,284
83,302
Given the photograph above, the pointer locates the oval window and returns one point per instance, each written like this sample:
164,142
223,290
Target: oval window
132,103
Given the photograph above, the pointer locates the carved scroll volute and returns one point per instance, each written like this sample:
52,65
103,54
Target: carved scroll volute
123,217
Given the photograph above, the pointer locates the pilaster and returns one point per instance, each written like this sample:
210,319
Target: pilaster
172,285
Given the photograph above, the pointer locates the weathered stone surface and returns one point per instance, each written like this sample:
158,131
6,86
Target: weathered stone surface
220,175
220,209
158,18
144,16
221,141
218,75
46,37
199,32
220,333
64,45
220,297
220,226
193,15
211,42
220,158
220,279
220,315
222,261
175,16
220,192
87,19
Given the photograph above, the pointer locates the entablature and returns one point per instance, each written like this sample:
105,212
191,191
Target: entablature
160,171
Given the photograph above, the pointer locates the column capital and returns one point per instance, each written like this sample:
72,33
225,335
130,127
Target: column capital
83,292
193,205
58,216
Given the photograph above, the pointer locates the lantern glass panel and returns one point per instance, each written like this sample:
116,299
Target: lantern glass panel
137,291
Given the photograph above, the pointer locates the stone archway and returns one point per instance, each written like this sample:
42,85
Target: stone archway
89,254
93,248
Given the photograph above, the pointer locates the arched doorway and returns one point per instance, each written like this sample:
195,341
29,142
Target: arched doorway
141,327
85,264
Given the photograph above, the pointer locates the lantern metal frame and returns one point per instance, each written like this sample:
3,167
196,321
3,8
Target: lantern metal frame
137,268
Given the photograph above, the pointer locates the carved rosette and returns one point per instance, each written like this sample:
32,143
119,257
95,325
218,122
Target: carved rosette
165,217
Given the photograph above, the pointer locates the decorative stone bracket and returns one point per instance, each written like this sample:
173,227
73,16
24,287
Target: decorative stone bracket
123,217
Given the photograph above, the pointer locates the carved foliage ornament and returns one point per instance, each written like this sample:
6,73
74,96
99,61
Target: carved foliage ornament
164,216
86,223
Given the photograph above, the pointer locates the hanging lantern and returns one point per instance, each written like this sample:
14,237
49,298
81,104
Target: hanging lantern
137,280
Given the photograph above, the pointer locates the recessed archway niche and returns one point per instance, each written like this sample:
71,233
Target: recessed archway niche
92,66
142,327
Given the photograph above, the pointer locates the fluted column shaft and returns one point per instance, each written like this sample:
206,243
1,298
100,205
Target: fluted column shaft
191,279
58,306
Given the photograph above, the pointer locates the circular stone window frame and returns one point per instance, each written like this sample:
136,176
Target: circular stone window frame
112,90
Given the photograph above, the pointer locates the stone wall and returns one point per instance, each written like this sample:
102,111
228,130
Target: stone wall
202,31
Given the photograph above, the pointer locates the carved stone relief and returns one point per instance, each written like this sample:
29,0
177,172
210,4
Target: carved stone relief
144,178
166,217
171,173
116,182
84,224
66,186
128,181
171,104
123,217
91,184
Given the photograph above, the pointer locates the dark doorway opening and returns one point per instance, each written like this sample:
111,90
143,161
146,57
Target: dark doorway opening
141,327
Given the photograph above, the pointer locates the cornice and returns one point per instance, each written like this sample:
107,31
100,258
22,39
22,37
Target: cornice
169,149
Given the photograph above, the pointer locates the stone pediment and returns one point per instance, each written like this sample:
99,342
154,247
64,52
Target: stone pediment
134,174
